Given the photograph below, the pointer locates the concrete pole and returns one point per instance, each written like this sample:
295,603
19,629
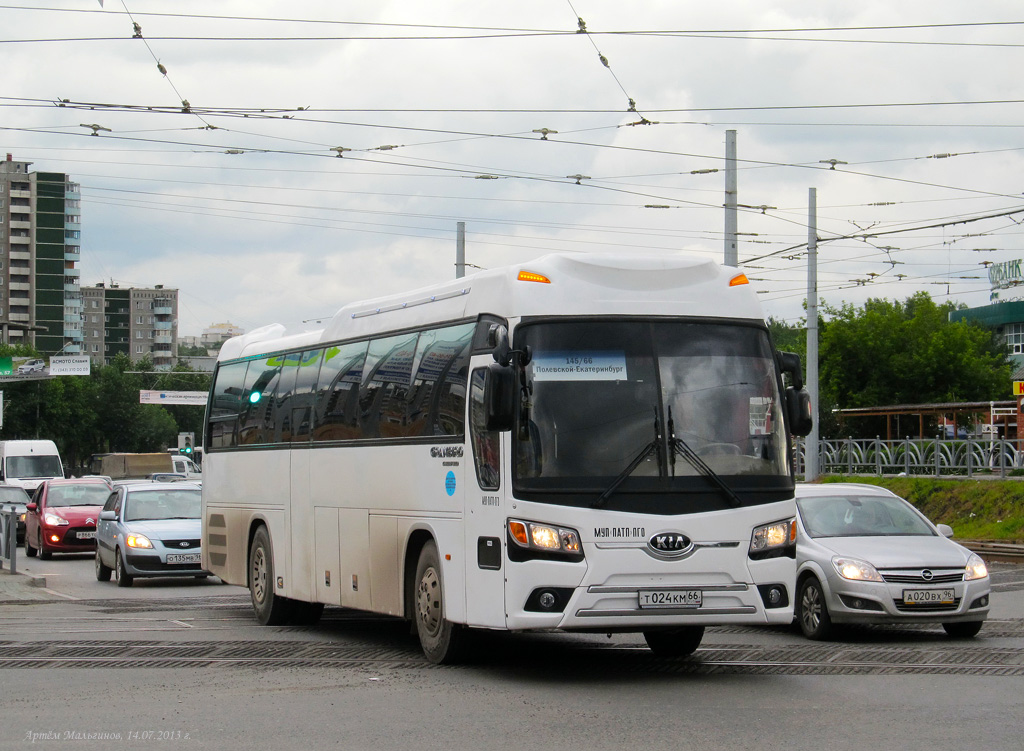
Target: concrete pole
460,250
811,468
731,228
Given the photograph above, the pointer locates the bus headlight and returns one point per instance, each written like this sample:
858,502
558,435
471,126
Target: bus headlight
774,540
530,540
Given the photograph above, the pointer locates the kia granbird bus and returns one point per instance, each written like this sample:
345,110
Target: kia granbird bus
582,442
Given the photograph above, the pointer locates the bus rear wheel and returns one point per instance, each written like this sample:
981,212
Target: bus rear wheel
675,642
270,609
440,639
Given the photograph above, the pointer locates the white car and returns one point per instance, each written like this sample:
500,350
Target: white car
865,555
32,366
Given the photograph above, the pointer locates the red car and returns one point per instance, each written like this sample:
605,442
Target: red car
62,516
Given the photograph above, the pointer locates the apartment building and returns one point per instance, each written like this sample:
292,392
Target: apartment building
40,247
130,320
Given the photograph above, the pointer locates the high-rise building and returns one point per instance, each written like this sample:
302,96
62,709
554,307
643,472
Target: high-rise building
135,321
40,246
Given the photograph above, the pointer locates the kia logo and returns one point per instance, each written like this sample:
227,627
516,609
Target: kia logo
184,543
669,544
927,575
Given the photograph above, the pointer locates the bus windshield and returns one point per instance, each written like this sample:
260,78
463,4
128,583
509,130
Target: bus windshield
656,398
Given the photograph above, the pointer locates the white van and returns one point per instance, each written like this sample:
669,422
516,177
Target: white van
28,463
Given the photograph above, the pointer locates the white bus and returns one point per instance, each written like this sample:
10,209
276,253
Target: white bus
582,442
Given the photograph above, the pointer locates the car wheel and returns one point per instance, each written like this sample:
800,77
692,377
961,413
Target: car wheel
122,579
44,554
963,629
271,609
440,639
675,642
29,550
812,612
102,570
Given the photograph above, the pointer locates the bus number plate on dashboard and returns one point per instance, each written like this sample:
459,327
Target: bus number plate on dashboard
671,598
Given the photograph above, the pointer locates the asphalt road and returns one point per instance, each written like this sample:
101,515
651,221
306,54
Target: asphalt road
182,664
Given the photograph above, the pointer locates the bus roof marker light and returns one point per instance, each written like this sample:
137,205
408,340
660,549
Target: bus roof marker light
738,280
530,276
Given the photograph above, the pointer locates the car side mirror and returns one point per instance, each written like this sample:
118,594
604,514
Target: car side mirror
31,506
108,516
945,530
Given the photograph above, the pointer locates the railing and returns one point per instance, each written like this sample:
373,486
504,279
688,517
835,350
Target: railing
916,456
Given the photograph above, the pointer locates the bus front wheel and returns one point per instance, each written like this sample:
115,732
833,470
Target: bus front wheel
440,639
270,609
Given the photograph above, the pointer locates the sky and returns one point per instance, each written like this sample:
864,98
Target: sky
276,161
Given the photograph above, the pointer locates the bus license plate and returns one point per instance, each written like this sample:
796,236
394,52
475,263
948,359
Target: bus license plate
87,535
671,598
928,596
184,558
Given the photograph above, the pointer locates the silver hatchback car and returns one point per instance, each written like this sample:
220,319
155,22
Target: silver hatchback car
150,529
865,555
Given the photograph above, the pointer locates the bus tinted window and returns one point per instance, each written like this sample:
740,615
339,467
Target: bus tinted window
388,374
295,410
280,428
437,401
337,393
257,411
225,404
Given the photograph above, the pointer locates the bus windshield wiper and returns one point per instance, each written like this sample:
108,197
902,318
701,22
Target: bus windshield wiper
682,448
654,447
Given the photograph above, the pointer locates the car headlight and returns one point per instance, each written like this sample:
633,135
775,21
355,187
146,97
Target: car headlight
52,520
21,517
138,541
855,570
773,540
536,540
975,569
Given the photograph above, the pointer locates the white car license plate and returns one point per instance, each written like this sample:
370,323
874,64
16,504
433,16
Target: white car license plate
928,596
671,598
87,535
184,558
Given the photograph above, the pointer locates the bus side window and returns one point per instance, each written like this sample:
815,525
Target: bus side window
260,385
299,409
485,442
437,401
279,425
226,405
386,381
337,393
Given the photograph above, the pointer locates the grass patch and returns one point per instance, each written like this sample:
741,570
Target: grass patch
975,509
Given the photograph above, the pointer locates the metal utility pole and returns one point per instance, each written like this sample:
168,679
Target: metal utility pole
460,250
731,251
811,468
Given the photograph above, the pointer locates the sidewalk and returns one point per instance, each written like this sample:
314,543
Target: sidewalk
15,587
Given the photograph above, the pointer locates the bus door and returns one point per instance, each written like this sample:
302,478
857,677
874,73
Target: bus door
485,495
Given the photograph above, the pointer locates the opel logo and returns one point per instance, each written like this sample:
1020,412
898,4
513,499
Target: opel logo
927,575
669,544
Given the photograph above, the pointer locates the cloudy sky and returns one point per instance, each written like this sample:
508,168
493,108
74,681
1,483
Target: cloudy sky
275,160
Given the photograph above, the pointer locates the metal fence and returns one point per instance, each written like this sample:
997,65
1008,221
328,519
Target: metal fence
915,456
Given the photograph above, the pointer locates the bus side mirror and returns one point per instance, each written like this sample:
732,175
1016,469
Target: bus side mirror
497,340
499,397
798,409
790,363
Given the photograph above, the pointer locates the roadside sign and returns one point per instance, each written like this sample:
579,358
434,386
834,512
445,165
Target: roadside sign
6,366
69,365
1018,388
196,398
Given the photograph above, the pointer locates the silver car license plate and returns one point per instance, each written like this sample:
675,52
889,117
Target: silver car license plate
928,596
671,598
184,558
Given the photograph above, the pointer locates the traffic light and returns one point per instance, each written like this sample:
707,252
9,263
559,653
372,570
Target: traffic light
186,442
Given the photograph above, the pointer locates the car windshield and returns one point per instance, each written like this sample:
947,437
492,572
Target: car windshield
93,494
39,465
860,516
13,495
649,396
150,505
